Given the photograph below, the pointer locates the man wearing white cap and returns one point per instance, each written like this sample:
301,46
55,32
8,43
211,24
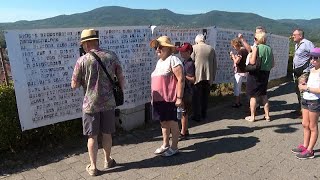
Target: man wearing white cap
205,62
98,103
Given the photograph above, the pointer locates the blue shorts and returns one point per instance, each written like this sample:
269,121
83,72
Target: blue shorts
311,105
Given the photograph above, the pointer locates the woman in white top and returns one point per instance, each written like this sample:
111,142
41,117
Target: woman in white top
310,105
167,84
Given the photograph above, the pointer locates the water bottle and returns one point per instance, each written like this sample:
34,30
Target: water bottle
180,111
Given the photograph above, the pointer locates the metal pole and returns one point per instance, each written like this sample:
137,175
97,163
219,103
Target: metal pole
4,68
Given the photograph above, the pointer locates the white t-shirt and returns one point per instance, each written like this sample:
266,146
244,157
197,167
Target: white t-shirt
313,82
163,66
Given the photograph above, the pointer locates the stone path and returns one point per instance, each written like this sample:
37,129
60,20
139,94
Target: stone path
223,147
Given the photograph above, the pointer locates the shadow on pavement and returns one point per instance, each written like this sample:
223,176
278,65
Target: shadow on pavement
192,153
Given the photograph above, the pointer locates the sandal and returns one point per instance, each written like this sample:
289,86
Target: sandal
267,119
110,164
170,152
91,172
161,150
183,137
248,118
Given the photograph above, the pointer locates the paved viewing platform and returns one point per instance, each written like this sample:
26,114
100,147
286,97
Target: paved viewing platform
223,147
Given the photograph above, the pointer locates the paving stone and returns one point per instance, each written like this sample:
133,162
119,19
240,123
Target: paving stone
52,175
45,168
14,177
70,174
224,147
32,174
71,160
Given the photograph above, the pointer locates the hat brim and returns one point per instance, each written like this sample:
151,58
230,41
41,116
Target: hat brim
90,39
315,54
154,43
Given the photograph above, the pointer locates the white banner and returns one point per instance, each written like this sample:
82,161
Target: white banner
42,62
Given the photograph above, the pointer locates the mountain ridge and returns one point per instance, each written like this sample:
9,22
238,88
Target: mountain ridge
121,16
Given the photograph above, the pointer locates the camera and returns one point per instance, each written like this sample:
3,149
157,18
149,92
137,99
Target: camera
81,51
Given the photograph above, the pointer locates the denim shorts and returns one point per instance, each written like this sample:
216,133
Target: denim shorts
311,105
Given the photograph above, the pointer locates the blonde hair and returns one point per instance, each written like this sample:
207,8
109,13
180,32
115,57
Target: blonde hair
261,37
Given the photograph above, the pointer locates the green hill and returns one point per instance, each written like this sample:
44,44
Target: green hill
120,16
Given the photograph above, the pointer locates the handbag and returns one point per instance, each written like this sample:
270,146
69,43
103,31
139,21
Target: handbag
117,91
254,67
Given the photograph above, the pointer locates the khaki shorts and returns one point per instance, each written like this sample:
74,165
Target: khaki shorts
94,123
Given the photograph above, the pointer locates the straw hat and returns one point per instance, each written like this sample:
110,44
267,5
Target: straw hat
162,41
88,35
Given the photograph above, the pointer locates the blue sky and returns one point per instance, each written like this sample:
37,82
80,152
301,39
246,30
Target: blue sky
15,10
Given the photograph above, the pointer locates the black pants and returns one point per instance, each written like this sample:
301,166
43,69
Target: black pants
200,100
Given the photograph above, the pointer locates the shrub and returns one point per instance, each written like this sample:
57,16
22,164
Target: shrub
9,121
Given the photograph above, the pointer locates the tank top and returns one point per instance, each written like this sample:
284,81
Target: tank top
313,82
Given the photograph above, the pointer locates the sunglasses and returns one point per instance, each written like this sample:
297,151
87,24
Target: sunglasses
158,47
315,58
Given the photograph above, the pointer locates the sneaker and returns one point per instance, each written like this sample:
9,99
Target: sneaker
305,155
298,149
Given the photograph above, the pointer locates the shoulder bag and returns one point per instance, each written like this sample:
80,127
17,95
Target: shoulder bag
117,91
254,67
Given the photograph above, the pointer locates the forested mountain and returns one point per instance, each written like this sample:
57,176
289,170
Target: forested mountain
120,16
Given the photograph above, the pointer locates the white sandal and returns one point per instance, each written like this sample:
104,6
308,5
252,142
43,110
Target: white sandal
161,150
248,118
170,152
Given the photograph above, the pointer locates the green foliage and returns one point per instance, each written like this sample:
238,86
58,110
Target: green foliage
13,139
9,122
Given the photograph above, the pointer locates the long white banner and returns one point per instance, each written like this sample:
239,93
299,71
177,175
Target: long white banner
42,62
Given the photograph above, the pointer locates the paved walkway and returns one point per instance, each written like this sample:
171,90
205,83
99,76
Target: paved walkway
224,147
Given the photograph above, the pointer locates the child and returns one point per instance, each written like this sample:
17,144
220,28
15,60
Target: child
310,104
189,72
